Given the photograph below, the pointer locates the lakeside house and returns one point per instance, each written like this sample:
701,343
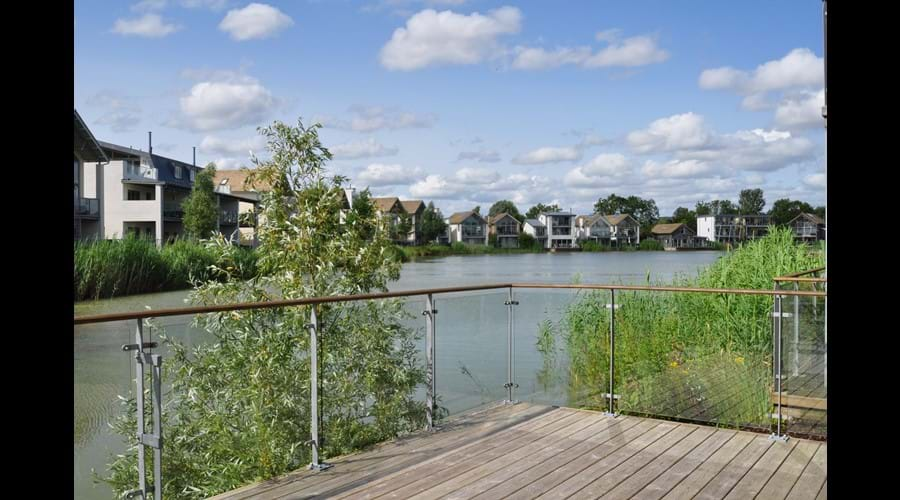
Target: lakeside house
593,228
87,208
390,209
560,229
506,228
467,227
624,229
234,183
414,209
141,193
732,228
537,230
808,227
677,235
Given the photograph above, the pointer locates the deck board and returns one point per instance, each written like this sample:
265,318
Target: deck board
530,451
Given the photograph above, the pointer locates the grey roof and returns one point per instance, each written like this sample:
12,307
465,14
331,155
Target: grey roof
85,144
558,213
164,166
534,223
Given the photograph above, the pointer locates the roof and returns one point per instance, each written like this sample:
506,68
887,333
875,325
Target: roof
459,217
557,213
534,223
589,220
616,219
496,218
815,219
236,180
386,204
669,228
412,206
165,167
85,144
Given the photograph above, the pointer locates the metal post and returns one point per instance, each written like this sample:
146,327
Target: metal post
314,390
612,352
796,320
431,389
510,353
156,361
778,435
139,383
153,440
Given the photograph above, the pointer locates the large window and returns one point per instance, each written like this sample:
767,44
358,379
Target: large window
178,173
134,195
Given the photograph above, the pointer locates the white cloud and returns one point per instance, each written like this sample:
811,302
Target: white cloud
231,147
378,174
372,118
603,170
482,155
682,131
362,149
802,111
754,150
816,181
148,25
799,68
231,102
119,112
437,187
208,4
254,21
676,168
634,51
470,175
229,163
549,155
149,5
433,38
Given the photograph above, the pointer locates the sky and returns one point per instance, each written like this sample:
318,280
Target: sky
466,102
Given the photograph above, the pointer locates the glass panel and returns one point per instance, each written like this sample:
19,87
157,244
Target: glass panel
695,356
804,401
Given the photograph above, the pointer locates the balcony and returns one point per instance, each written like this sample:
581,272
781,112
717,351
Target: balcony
473,232
173,211
562,231
507,231
88,207
135,171
229,217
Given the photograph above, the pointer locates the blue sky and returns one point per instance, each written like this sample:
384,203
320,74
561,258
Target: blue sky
465,102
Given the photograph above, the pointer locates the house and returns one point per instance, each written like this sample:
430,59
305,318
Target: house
392,211
593,228
536,229
87,214
675,236
560,229
142,194
808,227
468,227
732,228
414,209
506,228
234,183
624,229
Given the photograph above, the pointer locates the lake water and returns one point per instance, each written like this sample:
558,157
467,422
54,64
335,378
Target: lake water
471,334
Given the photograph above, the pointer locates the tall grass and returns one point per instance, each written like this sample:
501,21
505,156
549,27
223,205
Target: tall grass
113,268
687,354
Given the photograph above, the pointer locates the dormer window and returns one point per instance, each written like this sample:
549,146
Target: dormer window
192,175
178,172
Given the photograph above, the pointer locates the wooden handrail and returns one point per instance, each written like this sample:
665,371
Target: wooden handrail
787,277
181,311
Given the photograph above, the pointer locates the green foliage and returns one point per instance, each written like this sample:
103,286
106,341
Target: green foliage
528,241
594,246
433,225
785,210
540,208
687,346
643,211
650,244
684,216
400,230
751,201
505,206
201,212
113,268
238,408
715,207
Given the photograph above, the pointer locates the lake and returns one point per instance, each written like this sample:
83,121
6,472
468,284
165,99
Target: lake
471,334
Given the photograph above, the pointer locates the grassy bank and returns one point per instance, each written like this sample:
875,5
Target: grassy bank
405,253
690,355
114,268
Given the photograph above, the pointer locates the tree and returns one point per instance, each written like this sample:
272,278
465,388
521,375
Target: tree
820,211
433,224
505,206
477,209
751,202
400,230
238,409
644,211
715,207
685,216
784,210
201,212
540,208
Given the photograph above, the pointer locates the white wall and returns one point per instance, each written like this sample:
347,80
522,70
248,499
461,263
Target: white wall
116,209
706,226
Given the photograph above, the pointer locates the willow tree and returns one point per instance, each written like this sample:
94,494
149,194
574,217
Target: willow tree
239,407
201,212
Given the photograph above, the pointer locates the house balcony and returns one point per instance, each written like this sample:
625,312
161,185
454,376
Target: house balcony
172,211
87,208
134,171
507,231
562,231
228,217
473,233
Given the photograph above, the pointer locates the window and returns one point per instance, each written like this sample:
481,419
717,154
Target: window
134,195
178,173
148,195
192,175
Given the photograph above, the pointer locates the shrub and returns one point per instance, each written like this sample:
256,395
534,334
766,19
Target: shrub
651,245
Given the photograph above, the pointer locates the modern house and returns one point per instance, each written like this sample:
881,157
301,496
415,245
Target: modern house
593,228
731,228
536,229
624,229
560,229
675,236
87,212
506,228
414,209
234,183
141,193
808,227
468,227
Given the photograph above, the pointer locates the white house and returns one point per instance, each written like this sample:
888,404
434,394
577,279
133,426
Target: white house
141,193
560,229
87,208
468,227
536,229
593,228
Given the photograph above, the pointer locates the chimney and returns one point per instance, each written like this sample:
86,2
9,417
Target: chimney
195,156
150,142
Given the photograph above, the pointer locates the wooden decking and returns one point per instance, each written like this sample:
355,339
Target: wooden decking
529,451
